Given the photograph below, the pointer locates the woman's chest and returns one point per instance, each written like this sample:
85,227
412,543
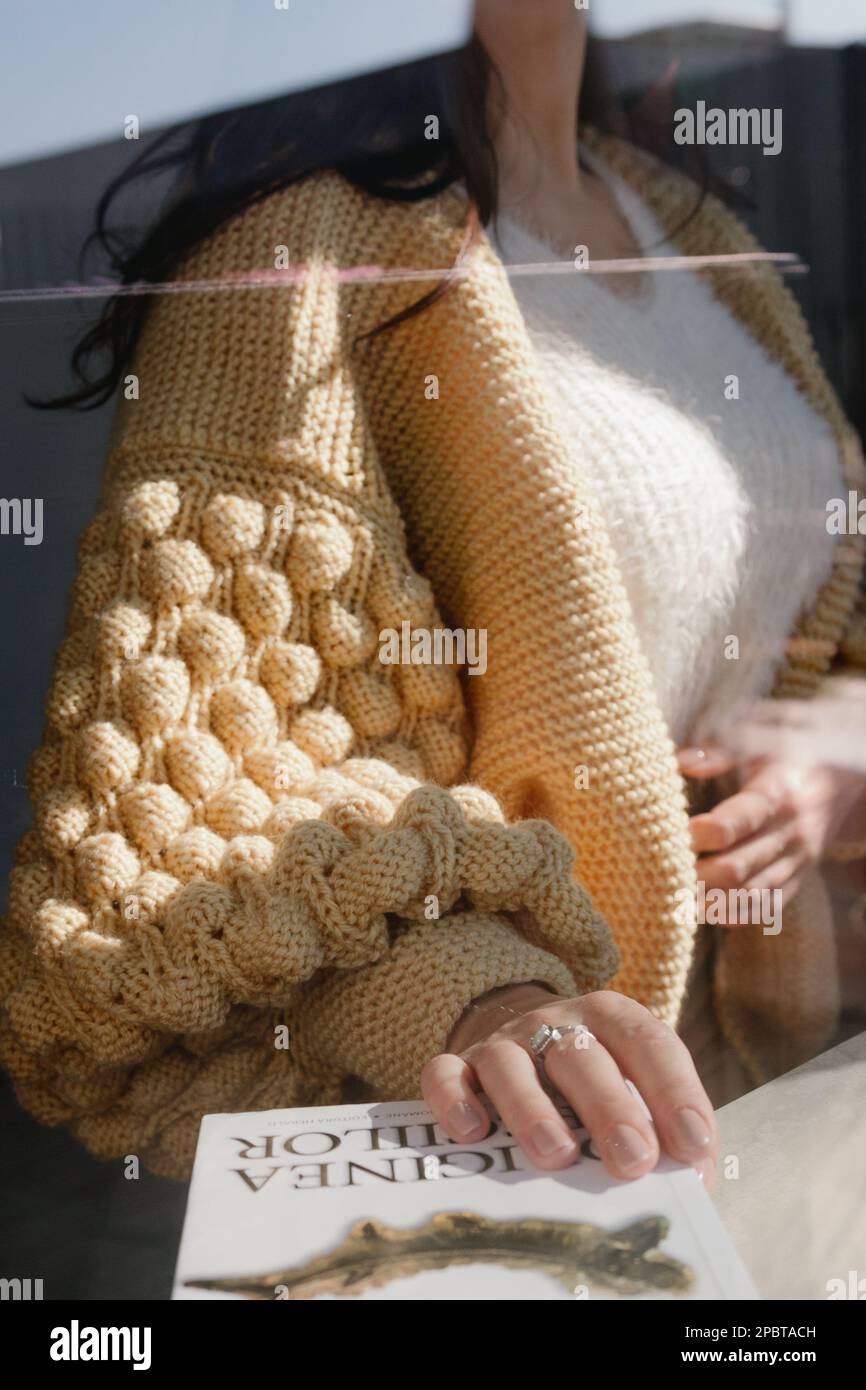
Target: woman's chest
710,472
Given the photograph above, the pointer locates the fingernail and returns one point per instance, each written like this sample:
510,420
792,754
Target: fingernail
691,1132
692,757
549,1138
628,1149
706,1171
462,1119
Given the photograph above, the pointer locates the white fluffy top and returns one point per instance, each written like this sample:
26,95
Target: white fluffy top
716,507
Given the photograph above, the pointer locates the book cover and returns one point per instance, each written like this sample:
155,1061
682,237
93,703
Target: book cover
376,1202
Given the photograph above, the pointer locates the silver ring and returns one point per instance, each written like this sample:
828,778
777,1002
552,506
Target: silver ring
542,1039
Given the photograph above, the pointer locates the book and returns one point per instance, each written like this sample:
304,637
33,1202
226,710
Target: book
376,1202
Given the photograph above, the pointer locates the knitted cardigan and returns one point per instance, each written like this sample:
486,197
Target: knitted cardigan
249,832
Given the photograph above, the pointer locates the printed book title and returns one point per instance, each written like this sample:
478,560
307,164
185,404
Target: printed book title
370,1154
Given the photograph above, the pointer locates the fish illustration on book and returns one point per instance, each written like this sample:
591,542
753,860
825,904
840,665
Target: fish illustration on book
627,1261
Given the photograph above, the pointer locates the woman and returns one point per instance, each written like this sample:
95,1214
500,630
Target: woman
251,829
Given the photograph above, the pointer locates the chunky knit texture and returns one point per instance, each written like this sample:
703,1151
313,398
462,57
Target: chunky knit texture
242,817
717,511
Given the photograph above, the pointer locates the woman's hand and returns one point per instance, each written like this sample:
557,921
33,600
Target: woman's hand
775,827
489,1051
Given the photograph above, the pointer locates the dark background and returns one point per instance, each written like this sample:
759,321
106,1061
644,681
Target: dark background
79,1225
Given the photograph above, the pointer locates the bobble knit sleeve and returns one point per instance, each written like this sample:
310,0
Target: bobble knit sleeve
247,876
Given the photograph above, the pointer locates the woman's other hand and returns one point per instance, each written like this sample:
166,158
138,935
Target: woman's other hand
776,826
489,1051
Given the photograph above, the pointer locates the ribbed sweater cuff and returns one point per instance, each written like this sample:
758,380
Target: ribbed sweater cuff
384,1021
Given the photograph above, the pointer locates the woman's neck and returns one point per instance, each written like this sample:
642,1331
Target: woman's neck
538,50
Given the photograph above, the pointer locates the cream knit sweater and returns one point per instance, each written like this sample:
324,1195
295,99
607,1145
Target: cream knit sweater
715,503
242,817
